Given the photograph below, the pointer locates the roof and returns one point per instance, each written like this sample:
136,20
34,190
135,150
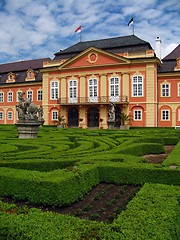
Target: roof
173,55
167,66
20,68
22,65
129,43
169,62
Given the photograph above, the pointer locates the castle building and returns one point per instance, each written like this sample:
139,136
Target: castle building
83,80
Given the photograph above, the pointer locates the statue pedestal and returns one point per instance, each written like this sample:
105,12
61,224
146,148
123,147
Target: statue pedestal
111,124
28,129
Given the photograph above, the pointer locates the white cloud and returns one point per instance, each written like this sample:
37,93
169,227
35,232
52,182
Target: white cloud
34,28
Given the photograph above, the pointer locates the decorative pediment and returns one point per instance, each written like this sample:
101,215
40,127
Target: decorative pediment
11,77
30,75
93,57
177,67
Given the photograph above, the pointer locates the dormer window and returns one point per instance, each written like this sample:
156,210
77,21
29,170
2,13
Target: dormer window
177,64
11,77
30,75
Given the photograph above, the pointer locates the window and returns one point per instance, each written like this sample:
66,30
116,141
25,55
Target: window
30,94
10,97
179,115
73,91
72,88
1,116
138,115
114,87
10,115
54,90
165,115
179,89
54,115
165,90
1,97
30,75
93,90
11,77
137,86
17,94
39,95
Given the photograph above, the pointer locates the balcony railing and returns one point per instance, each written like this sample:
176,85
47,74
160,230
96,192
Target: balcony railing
93,100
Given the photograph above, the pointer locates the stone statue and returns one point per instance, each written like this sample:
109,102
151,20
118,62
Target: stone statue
111,112
27,110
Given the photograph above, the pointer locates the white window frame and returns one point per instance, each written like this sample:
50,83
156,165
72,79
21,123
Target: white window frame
114,88
93,90
54,115
165,90
30,94
165,115
137,115
1,115
178,114
72,91
137,86
10,115
17,94
1,96
178,89
54,90
39,95
10,96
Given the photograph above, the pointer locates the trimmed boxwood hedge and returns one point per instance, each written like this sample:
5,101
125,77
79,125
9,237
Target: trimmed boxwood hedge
152,214
61,165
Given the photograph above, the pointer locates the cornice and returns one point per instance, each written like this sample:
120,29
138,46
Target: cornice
7,85
169,74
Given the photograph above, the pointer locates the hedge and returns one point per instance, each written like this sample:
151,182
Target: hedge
152,214
137,174
59,187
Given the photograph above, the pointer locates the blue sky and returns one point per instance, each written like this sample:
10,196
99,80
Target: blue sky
31,29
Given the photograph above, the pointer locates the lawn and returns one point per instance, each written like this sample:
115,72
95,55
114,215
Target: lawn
90,184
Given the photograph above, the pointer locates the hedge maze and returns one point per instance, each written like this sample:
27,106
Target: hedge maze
62,165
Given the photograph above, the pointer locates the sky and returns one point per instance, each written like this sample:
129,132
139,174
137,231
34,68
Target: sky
32,29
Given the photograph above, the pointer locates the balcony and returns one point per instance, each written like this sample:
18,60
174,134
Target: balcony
93,100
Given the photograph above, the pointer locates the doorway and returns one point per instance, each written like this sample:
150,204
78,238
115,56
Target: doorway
73,116
93,117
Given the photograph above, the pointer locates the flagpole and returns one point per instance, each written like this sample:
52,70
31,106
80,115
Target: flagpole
131,22
80,36
133,28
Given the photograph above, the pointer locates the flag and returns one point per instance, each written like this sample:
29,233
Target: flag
131,22
79,29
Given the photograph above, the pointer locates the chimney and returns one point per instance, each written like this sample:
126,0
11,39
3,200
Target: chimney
158,47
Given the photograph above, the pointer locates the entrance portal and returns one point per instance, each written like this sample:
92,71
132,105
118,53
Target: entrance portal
73,116
93,117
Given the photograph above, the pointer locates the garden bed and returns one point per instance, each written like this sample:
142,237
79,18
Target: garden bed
103,203
159,158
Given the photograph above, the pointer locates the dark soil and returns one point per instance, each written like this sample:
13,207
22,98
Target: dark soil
103,203
159,158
